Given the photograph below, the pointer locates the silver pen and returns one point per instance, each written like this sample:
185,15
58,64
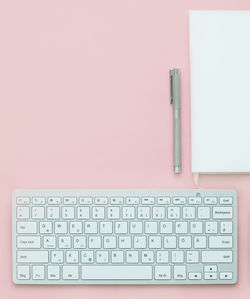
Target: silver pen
175,100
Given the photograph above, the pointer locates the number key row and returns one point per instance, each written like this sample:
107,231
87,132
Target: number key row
127,212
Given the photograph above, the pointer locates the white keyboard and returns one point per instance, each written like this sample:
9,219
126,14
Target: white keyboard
124,236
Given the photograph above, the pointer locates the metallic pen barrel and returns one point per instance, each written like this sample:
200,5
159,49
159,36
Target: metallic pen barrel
175,100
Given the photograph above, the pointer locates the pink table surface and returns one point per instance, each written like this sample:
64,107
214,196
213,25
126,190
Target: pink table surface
85,104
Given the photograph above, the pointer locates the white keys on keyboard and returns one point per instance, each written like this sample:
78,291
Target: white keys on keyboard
124,237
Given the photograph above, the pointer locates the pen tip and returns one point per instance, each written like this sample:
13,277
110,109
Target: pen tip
177,169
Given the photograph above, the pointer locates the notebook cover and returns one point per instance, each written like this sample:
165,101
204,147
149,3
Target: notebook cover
220,91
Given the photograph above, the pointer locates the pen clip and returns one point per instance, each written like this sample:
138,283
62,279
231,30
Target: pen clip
171,76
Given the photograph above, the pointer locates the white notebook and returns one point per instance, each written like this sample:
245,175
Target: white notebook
220,91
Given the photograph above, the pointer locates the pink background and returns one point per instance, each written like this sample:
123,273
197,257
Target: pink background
85,104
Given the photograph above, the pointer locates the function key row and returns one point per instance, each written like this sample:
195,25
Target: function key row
103,200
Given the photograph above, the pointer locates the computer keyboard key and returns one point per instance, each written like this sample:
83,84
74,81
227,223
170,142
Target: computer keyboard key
210,268
128,212
226,200
38,212
90,227
163,200
71,256
136,227
38,272
79,242
147,257
23,212
53,272
101,200
64,242
26,227
143,212
179,200
194,275
211,200
226,227
113,213
23,272
53,212
116,200
94,242
170,242
226,275
185,242
61,227
188,212
28,242
222,212
194,200
75,227
166,227
87,256
102,257
117,257
23,200
200,242
32,256
147,201
154,242
56,256
203,212
132,200
69,200
54,200
125,242
132,257
162,256
140,242
210,275
177,256
49,242
181,227
212,256
196,227
162,272
211,227
158,212
174,212
83,212
117,272
151,227
38,200
192,256
180,272
85,200
220,242
106,227
109,242
68,212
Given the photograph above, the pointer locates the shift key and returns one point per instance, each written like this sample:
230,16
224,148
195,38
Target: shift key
32,256
217,256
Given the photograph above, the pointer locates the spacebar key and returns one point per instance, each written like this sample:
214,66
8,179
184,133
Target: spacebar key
116,272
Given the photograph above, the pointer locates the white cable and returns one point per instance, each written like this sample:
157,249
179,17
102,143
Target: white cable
196,180
196,177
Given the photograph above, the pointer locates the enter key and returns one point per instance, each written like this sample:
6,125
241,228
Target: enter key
220,242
